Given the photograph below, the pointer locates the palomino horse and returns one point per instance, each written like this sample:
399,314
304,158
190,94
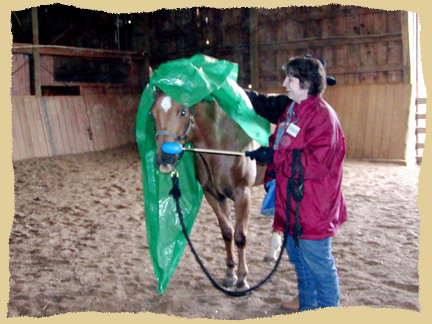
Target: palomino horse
222,177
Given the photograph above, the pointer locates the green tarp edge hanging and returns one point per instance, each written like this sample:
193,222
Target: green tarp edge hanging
187,81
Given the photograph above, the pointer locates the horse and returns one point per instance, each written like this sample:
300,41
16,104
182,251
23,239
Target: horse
223,177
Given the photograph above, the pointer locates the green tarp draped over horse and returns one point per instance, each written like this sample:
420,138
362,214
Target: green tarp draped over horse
187,81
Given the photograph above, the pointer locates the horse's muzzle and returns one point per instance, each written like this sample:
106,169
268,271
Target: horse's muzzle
167,163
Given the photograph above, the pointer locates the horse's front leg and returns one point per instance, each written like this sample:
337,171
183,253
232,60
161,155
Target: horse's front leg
221,209
242,210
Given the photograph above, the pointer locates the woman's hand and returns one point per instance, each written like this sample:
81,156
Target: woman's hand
262,155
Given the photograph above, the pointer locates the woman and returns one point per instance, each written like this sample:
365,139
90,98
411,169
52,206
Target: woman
308,127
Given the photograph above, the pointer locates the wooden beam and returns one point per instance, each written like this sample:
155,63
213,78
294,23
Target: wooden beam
421,101
333,41
253,51
73,51
405,47
36,52
350,70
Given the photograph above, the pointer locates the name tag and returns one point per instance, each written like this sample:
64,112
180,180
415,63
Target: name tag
293,130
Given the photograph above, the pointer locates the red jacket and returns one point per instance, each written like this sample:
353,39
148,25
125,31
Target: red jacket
322,142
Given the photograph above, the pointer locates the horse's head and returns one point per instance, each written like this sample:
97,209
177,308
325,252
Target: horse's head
173,123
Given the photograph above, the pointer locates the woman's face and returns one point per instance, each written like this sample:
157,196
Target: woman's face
295,91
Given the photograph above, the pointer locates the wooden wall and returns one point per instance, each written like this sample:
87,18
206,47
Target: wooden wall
360,45
20,75
75,116
89,71
375,119
366,51
221,33
48,126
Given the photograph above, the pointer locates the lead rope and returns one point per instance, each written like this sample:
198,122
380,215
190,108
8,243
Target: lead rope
176,193
296,190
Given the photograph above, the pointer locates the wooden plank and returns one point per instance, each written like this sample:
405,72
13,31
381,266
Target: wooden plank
387,121
357,108
367,24
36,51
46,126
64,125
378,122
20,75
75,127
97,122
84,117
253,47
421,130
68,126
19,151
421,101
55,118
340,56
16,154
112,120
380,23
380,50
353,25
346,106
133,103
82,123
34,136
365,129
333,41
341,104
75,51
128,109
123,113
405,45
393,21
340,26
47,71
25,127
38,129
400,116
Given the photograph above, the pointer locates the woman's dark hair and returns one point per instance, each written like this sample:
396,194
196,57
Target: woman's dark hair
310,71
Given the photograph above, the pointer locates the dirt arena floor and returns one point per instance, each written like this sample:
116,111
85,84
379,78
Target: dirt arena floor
78,243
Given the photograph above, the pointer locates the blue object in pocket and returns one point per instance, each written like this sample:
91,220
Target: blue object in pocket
268,206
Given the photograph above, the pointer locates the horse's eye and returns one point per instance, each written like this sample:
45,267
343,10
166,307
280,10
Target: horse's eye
183,112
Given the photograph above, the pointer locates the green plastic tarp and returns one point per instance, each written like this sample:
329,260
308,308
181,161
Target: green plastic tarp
187,81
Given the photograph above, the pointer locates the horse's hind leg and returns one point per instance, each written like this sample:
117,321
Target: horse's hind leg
221,209
242,209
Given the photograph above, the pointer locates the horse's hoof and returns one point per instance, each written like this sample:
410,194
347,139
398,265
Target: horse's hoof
242,286
269,259
229,282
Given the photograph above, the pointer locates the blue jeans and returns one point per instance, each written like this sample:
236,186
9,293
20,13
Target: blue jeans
318,281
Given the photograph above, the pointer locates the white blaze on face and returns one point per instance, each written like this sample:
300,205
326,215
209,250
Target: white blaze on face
166,103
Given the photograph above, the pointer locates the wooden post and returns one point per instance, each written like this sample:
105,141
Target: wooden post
406,48
146,47
36,52
253,48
